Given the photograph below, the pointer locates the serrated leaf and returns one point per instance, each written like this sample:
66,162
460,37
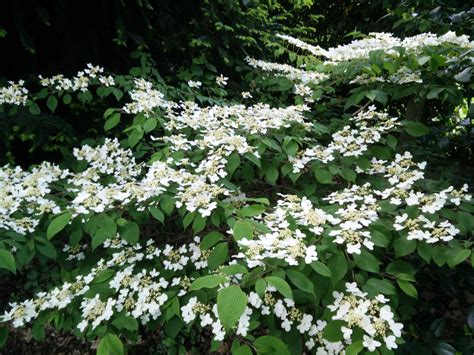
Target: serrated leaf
209,281
321,269
52,103
382,286
403,246
242,229
268,344
252,210
7,261
301,281
332,332
34,108
366,261
211,239
231,304
112,121
125,322
408,288
155,212
323,176
58,224
131,232
355,348
218,256
281,286
110,344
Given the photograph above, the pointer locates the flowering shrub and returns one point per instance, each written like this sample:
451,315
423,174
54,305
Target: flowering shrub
265,228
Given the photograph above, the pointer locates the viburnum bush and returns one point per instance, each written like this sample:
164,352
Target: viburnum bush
303,217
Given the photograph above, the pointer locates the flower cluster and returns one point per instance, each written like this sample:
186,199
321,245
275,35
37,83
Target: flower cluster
26,196
282,241
136,291
15,94
359,49
421,228
80,82
373,316
145,98
348,142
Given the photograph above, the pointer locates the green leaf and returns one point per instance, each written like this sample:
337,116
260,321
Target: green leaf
233,269
7,261
281,286
332,332
52,103
199,223
67,99
260,287
408,288
268,344
423,59
465,222
348,174
131,233
242,350
253,159
107,229
338,266
218,256
400,267
233,162
112,121
34,109
209,281
355,348
110,344
155,212
403,246
231,304
150,124
301,281
211,239
416,129
252,210
242,229
135,71
125,322
323,176
382,286
321,269
379,238
459,257
58,224
367,261
135,137
271,173
47,249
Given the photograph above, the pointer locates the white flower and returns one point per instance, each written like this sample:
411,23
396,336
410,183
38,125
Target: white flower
390,342
194,84
221,80
370,343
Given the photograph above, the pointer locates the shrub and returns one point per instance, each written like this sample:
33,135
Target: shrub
233,225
